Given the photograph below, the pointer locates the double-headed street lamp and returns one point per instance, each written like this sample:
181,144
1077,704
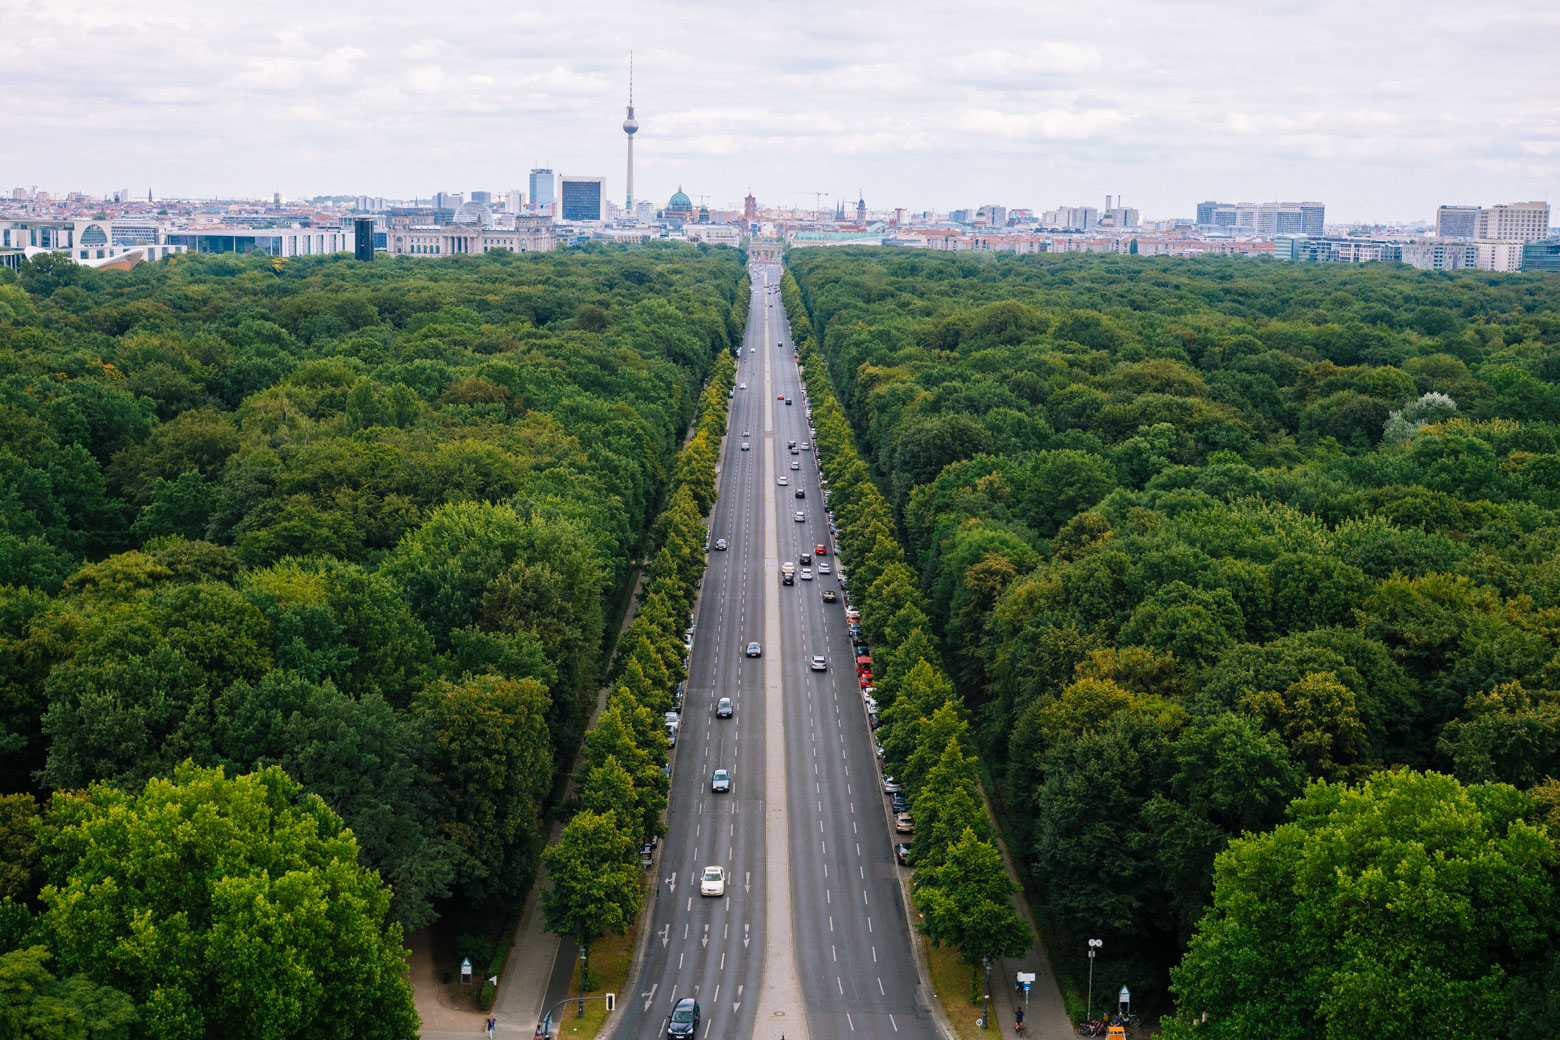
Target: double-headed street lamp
1094,947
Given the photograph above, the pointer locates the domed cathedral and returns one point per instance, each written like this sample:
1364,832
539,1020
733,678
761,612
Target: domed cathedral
679,209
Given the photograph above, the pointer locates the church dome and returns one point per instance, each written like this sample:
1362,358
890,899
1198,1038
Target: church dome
679,201
473,212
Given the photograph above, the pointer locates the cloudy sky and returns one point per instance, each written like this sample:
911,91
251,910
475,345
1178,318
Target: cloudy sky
1382,109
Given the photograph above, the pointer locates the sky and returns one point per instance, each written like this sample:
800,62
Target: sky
1382,109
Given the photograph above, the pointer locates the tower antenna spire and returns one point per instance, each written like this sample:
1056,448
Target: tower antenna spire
630,127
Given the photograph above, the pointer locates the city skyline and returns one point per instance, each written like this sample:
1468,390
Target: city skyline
1163,107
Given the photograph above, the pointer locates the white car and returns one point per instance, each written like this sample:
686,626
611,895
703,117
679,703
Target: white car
713,881
783,481
823,568
741,386
801,517
796,465
819,663
745,446
807,574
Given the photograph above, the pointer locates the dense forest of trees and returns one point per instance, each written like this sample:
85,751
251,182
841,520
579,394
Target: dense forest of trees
325,543
1249,577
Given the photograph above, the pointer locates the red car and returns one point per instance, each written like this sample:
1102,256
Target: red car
779,397
821,550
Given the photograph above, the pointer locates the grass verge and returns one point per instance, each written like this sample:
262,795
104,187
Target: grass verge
610,960
951,982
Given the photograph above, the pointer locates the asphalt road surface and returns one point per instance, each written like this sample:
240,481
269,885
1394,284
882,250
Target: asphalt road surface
810,939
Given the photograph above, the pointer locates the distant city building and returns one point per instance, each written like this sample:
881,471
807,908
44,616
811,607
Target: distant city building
514,201
484,197
1071,218
1338,249
1438,255
861,210
679,208
369,204
992,215
543,191
644,211
532,234
449,200
95,243
1264,218
582,198
749,208
1506,222
1543,256
1457,222
293,241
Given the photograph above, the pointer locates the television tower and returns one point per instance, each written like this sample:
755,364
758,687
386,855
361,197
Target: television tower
630,125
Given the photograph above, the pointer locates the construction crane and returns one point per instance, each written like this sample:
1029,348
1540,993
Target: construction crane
818,197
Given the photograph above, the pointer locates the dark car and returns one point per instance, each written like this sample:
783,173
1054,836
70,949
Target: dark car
899,803
684,1020
902,854
805,559
801,492
829,595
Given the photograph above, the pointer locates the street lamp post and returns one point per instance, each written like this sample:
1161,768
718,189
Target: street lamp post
584,952
1094,947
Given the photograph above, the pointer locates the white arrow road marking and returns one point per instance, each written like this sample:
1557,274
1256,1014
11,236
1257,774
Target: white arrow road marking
747,881
666,934
705,942
650,996
745,940
672,881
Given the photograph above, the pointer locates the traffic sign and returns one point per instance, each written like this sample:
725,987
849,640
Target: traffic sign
1125,996
465,966
1026,976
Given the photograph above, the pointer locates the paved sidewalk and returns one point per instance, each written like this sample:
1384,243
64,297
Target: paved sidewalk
1046,1016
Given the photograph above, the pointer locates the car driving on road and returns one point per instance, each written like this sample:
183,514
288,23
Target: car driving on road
720,543
723,708
720,782
713,881
745,446
819,663
685,1019
754,650
801,517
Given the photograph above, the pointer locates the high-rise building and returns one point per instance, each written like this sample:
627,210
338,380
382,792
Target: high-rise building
363,238
1515,222
1506,222
449,200
1457,222
543,193
1542,256
484,197
581,198
630,127
1265,218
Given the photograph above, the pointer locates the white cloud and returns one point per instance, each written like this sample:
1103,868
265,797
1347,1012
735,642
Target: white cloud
1382,110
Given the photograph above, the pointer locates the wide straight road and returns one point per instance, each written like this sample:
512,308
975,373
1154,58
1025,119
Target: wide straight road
811,938
712,948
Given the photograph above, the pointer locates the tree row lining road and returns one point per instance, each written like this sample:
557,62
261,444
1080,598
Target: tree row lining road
830,951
